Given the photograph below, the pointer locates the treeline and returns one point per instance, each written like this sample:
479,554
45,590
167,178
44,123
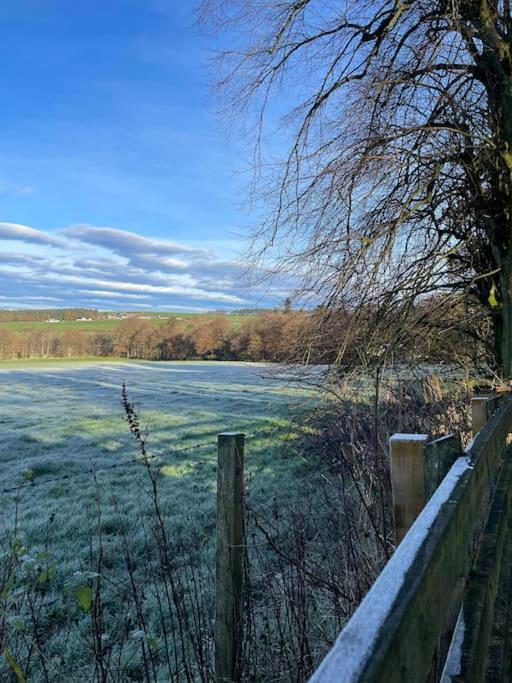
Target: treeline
40,315
313,337
260,337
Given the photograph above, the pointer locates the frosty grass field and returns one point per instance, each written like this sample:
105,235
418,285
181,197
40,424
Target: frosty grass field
61,418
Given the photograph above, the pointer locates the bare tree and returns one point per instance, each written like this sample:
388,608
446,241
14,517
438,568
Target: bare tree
396,182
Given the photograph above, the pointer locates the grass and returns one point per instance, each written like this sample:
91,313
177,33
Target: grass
34,362
109,325
59,418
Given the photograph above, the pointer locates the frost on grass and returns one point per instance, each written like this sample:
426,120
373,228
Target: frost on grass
59,420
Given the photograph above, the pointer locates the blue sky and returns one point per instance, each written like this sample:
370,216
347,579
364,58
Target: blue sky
119,187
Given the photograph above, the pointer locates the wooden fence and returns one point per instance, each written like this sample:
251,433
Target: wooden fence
439,611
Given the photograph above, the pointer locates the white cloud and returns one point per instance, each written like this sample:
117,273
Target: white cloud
31,298
23,233
192,292
104,265
113,295
127,243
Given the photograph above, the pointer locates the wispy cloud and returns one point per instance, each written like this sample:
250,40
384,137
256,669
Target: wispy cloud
126,243
113,294
179,290
30,298
13,190
23,233
86,265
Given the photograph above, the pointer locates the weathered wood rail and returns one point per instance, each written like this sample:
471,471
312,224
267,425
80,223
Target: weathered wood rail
440,609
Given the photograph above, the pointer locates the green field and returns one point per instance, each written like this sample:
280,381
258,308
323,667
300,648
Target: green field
59,420
108,325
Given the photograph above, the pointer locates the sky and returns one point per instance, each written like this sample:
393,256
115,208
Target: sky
119,186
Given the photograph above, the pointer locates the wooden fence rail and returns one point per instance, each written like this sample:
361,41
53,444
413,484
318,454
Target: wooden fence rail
449,562
439,611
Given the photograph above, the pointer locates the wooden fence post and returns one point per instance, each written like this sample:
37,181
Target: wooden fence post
229,570
440,454
417,469
479,413
407,479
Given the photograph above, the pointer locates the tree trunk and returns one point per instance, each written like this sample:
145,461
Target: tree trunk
505,258
503,329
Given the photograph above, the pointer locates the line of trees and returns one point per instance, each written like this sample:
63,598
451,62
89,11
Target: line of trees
435,331
262,337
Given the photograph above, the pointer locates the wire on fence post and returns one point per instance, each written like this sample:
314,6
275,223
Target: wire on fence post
229,569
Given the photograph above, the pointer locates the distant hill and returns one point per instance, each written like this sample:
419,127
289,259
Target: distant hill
85,314
42,315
